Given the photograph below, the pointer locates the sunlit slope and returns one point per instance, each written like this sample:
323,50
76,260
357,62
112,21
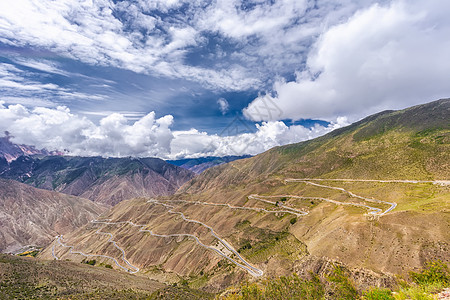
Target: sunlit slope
409,144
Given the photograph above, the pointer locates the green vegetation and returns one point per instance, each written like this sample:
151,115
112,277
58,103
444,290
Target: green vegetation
290,287
25,278
335,286
378,294
338,285
432,279
30,253
245,246
293,221
434,272
341,286
91,262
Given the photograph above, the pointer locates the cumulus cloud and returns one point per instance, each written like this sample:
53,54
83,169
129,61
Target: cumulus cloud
59,129
223,105
114,136
386,56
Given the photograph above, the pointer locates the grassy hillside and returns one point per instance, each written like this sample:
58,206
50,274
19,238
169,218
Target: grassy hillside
26,278
409,144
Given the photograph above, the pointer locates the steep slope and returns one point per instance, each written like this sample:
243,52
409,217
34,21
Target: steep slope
410,144
373,195
103,180
30,216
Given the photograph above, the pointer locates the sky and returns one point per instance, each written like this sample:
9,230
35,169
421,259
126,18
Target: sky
179,79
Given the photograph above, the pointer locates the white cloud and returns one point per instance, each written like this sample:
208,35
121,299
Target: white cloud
92,32
153,37
386,56
223,105
59,129
18,86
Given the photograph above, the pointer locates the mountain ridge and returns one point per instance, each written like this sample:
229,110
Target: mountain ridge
102,180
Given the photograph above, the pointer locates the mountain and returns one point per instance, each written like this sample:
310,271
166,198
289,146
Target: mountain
30,216
409,144
373,195
103,180
10,151
198,165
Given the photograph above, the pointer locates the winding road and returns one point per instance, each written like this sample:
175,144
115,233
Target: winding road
372,210
240,261
132,270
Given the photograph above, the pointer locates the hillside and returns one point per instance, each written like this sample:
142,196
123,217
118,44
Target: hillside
410,144
30,216
27,278
374,195
103,180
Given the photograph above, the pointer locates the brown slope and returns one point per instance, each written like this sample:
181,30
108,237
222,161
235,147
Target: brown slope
114,189
103,180
30,216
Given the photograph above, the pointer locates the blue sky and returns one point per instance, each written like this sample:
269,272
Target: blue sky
167,78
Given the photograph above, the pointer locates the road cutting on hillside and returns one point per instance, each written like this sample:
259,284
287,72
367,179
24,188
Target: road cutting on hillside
239,261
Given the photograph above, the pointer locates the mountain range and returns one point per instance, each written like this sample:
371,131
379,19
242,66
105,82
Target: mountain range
10,151
102,180
373,195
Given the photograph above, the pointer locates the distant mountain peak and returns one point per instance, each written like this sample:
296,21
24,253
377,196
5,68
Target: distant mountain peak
11,151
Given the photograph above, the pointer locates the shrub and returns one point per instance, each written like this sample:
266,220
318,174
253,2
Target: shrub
246,245
293,221
434,272
378,294
341,286
91,262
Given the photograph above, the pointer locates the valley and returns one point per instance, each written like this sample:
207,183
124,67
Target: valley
372,198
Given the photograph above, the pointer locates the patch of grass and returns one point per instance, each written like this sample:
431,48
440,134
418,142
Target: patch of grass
289,287
91,262
30,253
341,285
434,272
378,294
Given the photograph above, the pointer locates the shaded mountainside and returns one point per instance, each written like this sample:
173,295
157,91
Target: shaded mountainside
198,165
30,216
103,180
288,222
